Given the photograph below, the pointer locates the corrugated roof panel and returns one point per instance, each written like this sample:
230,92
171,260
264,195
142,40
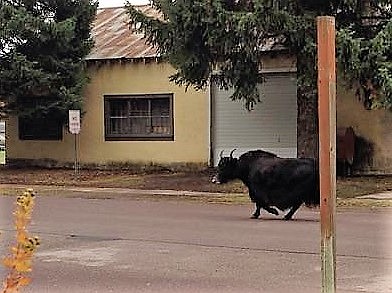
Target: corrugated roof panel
114,39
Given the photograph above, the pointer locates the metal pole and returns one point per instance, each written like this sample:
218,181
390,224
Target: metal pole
327,148
76,162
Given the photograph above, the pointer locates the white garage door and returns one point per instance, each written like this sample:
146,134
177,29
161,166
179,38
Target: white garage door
271,125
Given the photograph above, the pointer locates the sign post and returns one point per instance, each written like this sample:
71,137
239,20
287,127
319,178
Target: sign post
327,148
74,128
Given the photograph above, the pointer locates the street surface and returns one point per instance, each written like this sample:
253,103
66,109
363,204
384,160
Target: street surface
124,245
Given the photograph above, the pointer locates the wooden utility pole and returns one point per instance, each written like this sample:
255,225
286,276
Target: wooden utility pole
327,148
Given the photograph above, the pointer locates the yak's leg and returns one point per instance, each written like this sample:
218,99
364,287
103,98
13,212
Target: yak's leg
271,210
294,208
260,204
256,214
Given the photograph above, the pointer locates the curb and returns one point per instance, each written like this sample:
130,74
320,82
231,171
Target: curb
70,190
130,191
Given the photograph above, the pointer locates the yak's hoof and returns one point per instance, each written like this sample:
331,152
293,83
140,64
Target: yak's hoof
287,218
254,216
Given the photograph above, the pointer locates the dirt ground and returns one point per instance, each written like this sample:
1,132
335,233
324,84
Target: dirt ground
189,181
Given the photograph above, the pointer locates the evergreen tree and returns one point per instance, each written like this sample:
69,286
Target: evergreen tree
42,47
199,37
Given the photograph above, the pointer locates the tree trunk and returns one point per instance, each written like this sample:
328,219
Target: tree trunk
307,125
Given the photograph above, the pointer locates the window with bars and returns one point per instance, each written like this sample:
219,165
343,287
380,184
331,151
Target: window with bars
139,117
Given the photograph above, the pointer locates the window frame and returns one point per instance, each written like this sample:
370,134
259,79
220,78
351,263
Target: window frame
37,128
138,137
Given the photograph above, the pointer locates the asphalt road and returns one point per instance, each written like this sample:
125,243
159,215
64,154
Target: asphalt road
125,245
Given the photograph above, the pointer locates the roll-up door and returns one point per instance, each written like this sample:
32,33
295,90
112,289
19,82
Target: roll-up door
271,125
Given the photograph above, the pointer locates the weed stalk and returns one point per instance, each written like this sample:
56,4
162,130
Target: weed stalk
19,262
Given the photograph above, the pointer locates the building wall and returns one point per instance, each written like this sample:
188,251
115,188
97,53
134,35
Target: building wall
374,126
191,122
278,62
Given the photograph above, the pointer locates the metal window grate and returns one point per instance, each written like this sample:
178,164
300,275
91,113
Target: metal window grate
136,117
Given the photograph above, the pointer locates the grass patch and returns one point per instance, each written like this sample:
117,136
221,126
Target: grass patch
117,181
363,185
2,157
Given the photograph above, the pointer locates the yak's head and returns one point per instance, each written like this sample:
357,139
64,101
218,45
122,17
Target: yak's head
227,169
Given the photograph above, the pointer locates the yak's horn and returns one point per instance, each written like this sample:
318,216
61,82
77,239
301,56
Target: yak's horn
221,154
231,154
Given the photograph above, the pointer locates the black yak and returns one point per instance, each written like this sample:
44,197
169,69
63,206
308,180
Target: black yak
273,182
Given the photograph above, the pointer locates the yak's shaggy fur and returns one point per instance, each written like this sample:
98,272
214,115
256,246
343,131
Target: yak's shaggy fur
273,182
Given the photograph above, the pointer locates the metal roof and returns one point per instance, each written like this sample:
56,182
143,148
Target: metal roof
114,38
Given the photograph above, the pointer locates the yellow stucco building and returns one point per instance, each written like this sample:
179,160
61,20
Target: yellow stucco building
190,116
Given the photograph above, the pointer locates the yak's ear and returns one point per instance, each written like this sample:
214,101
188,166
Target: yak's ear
231,153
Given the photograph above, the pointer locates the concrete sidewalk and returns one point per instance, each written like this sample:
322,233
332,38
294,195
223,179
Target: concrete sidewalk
66,190
381,195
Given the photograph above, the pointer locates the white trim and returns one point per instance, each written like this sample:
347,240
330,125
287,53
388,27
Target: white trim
279,70
269,70
209,132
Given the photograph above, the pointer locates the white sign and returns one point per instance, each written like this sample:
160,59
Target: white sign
74,121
